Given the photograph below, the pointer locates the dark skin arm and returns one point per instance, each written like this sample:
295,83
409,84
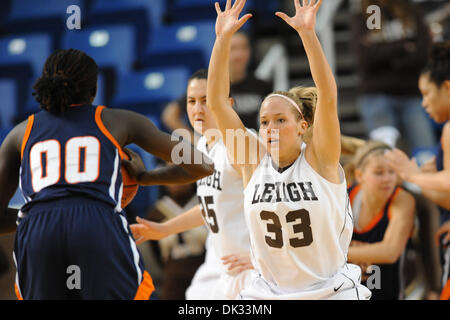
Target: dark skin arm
129,127
126,127
9,176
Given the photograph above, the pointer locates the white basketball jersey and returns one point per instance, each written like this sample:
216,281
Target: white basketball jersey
300,225
221,196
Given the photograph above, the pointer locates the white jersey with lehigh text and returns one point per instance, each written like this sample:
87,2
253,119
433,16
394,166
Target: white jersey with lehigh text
221,196
300,228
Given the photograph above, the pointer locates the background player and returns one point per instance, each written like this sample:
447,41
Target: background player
68,159
221,208
295,196
434,84
383,216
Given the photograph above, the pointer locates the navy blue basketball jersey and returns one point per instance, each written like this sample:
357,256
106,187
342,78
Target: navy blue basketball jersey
444,251
444,213
71,154
391,274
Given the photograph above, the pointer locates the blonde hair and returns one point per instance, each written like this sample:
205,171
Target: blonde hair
362,156
307,100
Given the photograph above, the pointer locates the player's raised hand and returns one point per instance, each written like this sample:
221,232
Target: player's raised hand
305,15
228,21
400,162
147,230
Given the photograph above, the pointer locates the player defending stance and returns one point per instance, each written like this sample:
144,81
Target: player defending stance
221,208
383,216
296,203
68,160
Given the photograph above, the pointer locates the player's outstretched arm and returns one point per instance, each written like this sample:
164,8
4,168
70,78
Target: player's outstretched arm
326,145
394,242
148,230
408,170
218,88
130,127
10,159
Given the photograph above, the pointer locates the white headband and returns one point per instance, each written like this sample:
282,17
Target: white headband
288,99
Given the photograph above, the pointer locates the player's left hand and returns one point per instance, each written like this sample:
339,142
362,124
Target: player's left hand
237,262
135,166
305,15
400,162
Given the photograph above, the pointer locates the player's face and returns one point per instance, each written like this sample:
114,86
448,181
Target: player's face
280,130
199,115
435,100
377,177
239,53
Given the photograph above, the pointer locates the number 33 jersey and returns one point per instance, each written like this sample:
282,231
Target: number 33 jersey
221,197
300,225
71,154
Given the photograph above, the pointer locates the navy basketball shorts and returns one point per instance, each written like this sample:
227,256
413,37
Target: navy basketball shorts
78,248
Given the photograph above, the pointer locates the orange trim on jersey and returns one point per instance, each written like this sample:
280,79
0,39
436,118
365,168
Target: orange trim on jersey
16,289
445,294
353,193
375,220
101,126
146,287
26,136
371,224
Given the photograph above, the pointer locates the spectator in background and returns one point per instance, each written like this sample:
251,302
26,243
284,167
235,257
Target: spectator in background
183,253
248,92
389,60
383,216
434,84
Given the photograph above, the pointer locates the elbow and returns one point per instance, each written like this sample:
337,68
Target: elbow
447,186
392,255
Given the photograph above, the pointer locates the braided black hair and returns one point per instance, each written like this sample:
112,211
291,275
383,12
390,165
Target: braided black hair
69,77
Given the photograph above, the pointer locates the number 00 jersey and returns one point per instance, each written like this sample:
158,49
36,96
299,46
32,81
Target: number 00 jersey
221,197
71,154
300,225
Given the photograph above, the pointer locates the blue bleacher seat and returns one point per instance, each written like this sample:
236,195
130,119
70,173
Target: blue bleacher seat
181,44
111,46
31,50
22,58
49,16
144,15
8,105
148,91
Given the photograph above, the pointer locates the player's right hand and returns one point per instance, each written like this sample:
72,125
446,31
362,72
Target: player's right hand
147,230
134,166
228,21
